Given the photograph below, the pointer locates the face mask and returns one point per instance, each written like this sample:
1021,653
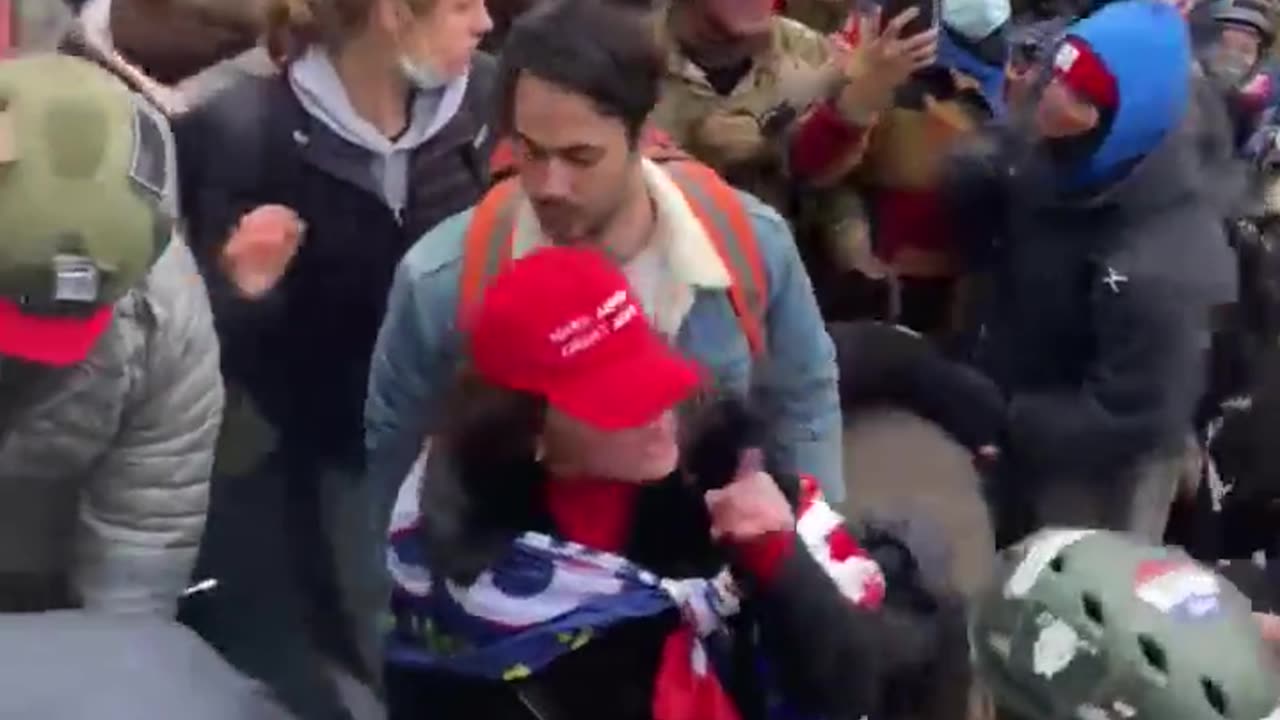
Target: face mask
975,19
422,75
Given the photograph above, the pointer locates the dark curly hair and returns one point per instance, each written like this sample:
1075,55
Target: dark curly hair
604,51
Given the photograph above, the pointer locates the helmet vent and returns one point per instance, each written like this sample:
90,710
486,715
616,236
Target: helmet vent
1214,696
1093,609
1154,655
1058,563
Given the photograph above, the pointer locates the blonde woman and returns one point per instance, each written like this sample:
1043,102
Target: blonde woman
302,191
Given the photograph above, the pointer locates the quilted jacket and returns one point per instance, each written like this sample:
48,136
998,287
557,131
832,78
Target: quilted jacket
104,466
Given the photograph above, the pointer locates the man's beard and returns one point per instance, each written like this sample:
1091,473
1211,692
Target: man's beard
560,222
566,223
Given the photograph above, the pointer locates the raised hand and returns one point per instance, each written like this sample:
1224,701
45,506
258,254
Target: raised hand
261,248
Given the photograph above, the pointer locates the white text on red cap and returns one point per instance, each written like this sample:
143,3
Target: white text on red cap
1067,56
584,332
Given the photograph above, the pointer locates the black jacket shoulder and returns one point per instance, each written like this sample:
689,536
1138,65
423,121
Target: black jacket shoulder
226,141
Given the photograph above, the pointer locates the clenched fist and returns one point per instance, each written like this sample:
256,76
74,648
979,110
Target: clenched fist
749,507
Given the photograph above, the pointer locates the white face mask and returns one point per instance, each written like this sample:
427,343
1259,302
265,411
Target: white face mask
422,75
975,19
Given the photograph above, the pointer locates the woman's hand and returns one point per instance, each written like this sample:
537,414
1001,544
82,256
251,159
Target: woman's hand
749,507
880,60
261,248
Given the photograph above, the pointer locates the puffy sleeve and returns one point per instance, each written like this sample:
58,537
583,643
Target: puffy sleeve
143,512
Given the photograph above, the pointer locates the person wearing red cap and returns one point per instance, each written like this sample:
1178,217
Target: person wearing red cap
1108,258
715,269
110,393
1079,102
566,435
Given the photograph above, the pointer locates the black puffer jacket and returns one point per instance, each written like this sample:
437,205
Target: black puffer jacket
909,659
303,351
1097,320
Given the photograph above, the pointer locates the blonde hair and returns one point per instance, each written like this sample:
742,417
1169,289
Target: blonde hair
294,25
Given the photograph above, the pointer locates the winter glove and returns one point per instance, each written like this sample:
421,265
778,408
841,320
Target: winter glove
912,550
778,120
927,675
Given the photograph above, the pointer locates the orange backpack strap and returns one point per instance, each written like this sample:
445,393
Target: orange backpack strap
660,147
502,161
722,213
487,245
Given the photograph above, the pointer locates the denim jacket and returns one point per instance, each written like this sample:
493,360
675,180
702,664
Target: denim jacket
419,345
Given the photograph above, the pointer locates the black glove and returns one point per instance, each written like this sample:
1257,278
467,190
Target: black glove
927,672
962,401
913,551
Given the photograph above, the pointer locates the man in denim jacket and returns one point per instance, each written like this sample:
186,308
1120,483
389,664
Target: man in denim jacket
575,120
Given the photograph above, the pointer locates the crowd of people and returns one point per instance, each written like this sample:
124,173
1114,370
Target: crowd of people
442,358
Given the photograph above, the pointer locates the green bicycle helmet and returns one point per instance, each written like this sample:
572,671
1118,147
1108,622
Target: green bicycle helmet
1093,625
88,202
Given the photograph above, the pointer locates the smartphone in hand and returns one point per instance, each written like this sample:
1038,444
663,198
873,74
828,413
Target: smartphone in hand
929,14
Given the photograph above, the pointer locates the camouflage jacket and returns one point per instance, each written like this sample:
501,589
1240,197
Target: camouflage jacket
825,16
742,134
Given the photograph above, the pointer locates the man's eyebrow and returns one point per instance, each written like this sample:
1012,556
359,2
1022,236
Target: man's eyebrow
566,150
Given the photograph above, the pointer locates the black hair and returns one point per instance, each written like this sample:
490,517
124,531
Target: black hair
603,50
482,477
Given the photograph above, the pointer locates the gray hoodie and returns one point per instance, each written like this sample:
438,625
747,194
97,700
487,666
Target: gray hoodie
318,88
